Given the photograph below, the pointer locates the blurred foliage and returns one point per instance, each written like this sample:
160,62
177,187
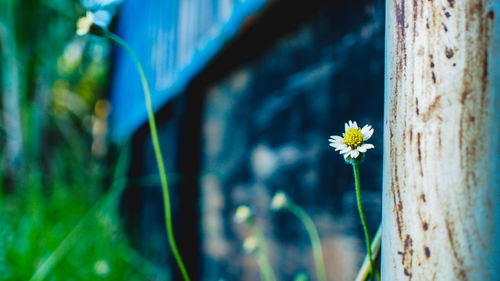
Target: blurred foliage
58,195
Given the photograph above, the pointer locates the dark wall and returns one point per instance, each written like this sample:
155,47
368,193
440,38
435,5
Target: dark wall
261,124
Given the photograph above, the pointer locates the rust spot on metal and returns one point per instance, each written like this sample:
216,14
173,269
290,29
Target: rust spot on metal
419,154
407,273
484,77
415,14
462,274
400,19
398,205
407,255
450,238
444,27
447,14
434,77
400,227
422,196
411,132
425,226
432,109
439,139
408,246
490,15
448,52
427,252
454,64
432,64
464,95
416,106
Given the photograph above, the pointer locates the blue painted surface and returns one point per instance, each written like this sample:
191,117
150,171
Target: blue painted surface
174,39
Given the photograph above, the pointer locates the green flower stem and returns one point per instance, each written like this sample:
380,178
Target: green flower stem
362,215
263,273
364,271
262,254
158,154
314,236
266,272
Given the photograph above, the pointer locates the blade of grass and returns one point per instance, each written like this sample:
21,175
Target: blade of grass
67,243
364,271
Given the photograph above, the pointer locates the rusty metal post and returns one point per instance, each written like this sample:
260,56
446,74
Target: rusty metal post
441,150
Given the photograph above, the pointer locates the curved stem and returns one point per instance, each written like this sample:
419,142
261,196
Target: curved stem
263,255
265,268
364,271
158,154
362,215
314,236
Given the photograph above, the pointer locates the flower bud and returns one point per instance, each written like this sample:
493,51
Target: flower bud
279,201
243,214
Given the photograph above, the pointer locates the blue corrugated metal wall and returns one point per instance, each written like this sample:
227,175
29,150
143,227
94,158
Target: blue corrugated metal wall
174,39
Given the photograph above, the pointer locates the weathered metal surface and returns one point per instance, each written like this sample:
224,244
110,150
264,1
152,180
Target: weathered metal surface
441,147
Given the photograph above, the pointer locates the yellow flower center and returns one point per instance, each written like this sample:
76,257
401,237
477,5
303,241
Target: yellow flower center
353,137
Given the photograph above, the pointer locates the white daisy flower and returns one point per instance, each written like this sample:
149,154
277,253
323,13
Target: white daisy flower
250,244
279,201
84,24
243,214
352,143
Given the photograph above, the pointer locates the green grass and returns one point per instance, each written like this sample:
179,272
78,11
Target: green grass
59,203
63,231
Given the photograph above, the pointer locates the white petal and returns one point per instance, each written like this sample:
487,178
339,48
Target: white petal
354,125
334,142
340,146
346,150
336,139
361,149
336,146
346,127
367,146
368,135
355,153
365,129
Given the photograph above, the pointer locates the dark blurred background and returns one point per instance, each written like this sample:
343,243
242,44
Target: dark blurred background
247,94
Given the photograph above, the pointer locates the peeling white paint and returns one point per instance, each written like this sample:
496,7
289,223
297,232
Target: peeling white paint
441,141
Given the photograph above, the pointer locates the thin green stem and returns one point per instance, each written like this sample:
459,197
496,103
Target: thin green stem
364,270
265,268
262,254
362,215
157,151
263,274
314,236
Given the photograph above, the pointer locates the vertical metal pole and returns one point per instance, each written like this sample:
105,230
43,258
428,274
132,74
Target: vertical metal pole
441,177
